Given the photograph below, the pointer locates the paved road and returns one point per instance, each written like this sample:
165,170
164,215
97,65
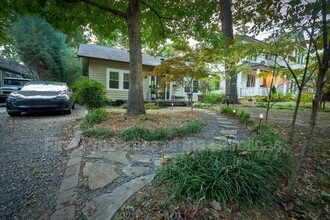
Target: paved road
32,163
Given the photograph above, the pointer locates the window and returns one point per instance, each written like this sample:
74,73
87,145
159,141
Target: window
126,81
251,79
195,86
117,79
114,80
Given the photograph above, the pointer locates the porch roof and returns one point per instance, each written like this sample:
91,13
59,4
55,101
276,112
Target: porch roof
108,53
253,64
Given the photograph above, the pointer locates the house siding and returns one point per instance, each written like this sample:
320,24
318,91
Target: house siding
98,71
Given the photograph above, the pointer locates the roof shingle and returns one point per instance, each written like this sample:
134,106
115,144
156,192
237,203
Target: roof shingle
108,53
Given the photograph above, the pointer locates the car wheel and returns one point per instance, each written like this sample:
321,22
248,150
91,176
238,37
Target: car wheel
14,113
69,111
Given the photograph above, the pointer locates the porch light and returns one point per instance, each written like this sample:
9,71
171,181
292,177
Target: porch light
230,139
261,117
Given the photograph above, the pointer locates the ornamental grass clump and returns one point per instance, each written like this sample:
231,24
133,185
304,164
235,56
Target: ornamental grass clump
94,116
160,134
244,175
98,133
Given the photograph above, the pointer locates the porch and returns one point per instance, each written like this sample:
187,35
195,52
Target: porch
253,91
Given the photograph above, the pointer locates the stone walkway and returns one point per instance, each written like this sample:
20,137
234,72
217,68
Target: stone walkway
103,168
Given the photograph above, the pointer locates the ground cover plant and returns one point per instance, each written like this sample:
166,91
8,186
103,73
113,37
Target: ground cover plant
156,125
94,117
312,193
245,175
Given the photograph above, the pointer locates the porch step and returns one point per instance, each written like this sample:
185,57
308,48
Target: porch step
162,103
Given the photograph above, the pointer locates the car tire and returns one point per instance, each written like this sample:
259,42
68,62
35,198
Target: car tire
14,113
69,111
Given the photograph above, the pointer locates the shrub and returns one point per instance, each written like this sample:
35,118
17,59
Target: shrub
201,105
124,106
214,98
98,132
150,106
280,97
261,105
161,134
94,117
147,117
267,136
90,93
307,97
135,133
142,133
243,176
259,98
227,110
245,118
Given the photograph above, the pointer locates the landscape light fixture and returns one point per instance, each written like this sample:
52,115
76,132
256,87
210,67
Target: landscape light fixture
234,111
172,105
260,117
230,139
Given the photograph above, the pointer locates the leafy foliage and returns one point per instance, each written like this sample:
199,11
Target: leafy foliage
94,117
242,116
150,106
147,117
244,175
214,98
90,93
98,132
201,105
40,47
142,133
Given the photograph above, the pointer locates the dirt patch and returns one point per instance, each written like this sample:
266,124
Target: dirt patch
117,120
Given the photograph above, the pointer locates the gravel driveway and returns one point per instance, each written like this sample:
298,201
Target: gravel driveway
32,162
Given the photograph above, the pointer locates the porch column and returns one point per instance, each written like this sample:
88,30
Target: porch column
285,85
257,83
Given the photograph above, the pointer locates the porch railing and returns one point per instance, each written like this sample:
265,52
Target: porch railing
252,91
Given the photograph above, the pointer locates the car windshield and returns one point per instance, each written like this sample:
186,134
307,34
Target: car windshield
15,82
43,87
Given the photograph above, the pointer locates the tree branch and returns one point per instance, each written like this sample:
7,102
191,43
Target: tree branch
160,17
102,7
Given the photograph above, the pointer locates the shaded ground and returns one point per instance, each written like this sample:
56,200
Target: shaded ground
32,162
311,200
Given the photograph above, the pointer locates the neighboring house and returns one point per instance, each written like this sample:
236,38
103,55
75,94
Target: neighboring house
110,67
12,76
257,81
11,69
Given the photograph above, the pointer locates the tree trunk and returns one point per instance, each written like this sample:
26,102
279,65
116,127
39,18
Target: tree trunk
294,176
323,68
135,94
295,114
269,98
226,18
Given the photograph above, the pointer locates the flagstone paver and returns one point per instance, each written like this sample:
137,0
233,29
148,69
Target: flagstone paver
220,138
132,171
141,158
228,126
106,205
99,174
118,156
229,132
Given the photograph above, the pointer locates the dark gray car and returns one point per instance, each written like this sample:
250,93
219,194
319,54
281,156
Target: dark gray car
40,96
